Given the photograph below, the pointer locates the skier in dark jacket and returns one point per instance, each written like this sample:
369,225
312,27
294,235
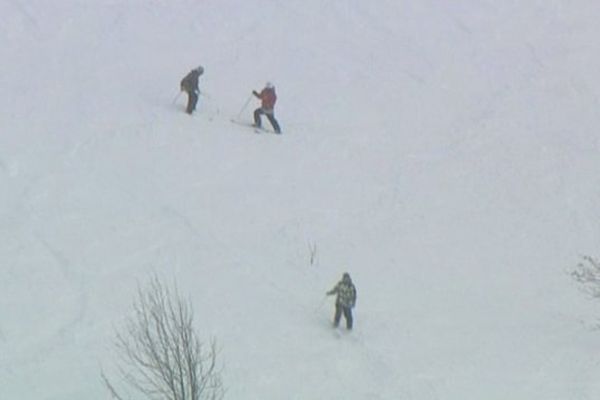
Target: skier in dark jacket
189,84
268,99
345,301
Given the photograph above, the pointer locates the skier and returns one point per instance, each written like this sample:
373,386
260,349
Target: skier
189,84
345,301
268,98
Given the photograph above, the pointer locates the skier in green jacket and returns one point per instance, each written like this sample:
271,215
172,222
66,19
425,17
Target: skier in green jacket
345,301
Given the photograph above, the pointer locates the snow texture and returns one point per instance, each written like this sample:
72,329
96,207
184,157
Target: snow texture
445,153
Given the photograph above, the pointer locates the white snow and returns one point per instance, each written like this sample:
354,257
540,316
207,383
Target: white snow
443,153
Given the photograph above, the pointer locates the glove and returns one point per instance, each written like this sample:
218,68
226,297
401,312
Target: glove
254,92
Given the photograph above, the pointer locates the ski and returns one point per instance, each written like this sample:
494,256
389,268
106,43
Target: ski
257,129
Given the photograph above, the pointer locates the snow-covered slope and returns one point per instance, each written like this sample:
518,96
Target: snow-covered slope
443,153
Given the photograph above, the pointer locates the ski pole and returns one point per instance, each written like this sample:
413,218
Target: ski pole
244,107
321,303
176,97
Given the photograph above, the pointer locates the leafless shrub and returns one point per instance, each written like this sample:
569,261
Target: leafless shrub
587,273
159,353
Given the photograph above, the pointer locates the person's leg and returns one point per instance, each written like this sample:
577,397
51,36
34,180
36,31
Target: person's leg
274,123
257,113
188,108
348,316
192,100
338,315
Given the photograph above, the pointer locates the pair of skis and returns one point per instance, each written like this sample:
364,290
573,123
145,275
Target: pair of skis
250,125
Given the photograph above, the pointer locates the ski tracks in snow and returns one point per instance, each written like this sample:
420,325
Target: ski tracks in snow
356,352
10,169
56,339
27,16
388,382
71,275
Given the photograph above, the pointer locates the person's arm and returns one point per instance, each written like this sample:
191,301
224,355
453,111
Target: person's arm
333,291
186,83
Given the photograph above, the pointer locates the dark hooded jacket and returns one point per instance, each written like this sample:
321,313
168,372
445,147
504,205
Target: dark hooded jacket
190,82
346,292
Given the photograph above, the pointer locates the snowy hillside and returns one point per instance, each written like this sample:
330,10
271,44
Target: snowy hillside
443,153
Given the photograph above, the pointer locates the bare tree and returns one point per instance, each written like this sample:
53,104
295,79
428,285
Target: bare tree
159,353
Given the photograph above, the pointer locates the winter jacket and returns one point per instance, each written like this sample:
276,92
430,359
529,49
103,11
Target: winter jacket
268,98
190,82
346,293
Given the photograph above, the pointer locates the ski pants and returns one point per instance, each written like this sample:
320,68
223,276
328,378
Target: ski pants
270,116
192,101
347,311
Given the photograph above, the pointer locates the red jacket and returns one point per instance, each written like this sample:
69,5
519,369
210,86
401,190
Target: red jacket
268,98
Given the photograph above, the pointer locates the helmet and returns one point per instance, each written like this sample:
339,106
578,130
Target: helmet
200,69
346,277
269,85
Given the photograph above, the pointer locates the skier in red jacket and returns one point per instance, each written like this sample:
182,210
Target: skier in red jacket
268,98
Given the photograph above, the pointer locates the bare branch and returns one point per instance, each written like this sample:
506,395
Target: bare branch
312,250
159,353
